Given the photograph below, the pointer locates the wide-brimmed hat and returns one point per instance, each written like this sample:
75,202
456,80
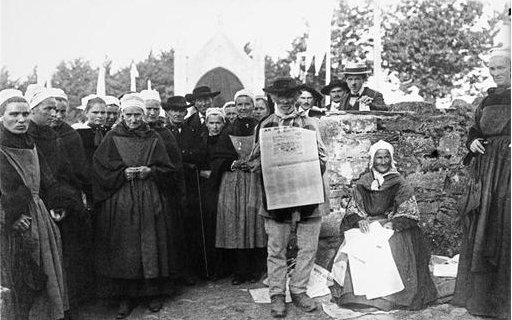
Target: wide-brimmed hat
282,86
355,68
201,92
333,84
316,95
176,103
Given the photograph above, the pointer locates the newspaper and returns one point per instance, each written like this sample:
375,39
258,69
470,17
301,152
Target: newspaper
291,167
369,257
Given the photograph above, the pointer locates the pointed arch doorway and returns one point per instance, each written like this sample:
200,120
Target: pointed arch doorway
223,80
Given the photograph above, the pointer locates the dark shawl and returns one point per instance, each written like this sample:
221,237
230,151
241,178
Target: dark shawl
108,167
66,192
395,200
74,148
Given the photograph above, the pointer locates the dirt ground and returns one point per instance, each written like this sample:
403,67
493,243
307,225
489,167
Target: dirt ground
222,301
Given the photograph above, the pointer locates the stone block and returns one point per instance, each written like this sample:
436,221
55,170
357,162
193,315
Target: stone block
417,107
418,145
428,207
428,181
450,144
333,125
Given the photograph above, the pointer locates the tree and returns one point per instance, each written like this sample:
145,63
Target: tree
76,78
435,43
160,70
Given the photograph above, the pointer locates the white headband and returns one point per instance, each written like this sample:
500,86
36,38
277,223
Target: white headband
244,92
150,95
36,94
58,93
216,112
133,100
10,93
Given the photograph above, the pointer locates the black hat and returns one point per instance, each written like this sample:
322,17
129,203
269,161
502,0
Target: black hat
282,86
316,95
201,92
333,84
176,103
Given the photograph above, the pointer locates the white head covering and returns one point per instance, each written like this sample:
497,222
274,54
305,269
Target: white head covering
111,100
499,52
228,104
58,93
36,94
215,111
244,92
85,101
133,100
379,177
7,94
162,113
150,95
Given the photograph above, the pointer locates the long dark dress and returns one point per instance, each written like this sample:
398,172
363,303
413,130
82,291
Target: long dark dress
31,261
217,258
239,227
395,202
133,249
75,227
175,189
193,152
483,279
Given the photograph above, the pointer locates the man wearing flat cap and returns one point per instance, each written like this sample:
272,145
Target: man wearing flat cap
279,222
359,97
193,153
309,102
202,99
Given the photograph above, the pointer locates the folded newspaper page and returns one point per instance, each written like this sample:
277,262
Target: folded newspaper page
291,168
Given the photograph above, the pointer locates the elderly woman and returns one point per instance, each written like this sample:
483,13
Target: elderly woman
483,278
230,111
383,195
31,251
239,228
131,170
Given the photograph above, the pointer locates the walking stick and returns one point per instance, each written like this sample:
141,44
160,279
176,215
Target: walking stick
202,222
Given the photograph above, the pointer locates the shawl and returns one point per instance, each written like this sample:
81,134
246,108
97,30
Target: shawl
395,200
108,166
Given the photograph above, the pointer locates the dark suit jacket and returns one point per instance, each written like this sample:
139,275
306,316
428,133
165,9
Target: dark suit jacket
377,104
192,146
194,122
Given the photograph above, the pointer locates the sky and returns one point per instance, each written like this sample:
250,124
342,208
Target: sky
46,32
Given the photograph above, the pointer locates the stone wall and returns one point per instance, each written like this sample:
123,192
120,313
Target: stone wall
429,148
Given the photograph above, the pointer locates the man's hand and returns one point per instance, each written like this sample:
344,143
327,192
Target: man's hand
364,226
365,100
22,224
477,146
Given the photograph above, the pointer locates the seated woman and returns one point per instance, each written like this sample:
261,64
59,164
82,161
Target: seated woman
383,195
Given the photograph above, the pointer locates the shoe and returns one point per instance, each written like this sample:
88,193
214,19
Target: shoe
155,305
303,302
237,280
125,308
277,306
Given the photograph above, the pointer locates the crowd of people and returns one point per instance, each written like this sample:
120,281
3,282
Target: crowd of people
145,195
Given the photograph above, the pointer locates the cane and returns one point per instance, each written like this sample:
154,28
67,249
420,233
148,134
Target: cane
202,222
